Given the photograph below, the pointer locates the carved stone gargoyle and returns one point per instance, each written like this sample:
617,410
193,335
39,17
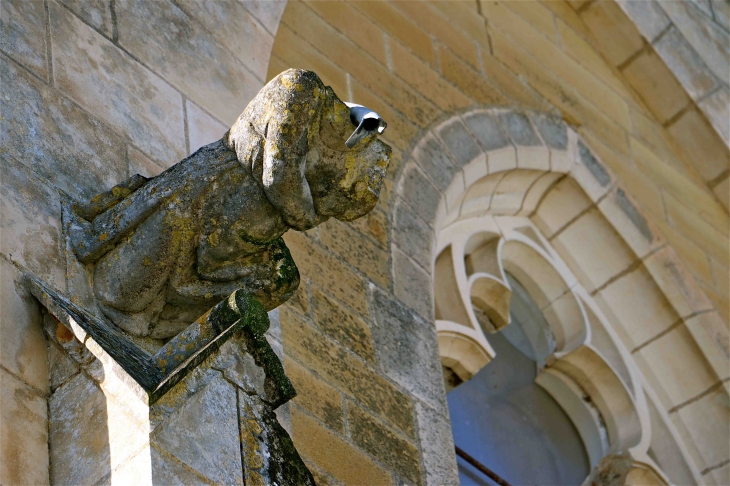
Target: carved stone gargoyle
154,255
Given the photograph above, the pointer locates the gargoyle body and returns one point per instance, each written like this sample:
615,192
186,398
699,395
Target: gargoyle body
162,251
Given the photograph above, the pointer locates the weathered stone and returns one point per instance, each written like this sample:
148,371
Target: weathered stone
140,164
22,347
202,128
647,15
79,435
352,247
97,13
411,234
106,81
61,366
685,64
269,456
459,142
634,215
519,129
702,419
715,108
437,446
420,193
203,433
430,155
707,38
593,165
245,38
268,13
384,443
334,455
342,324
352,376
553,131
53,136
23,34
160,34
24,438
29,222
316,396
407,350
170,471
487,130
412,284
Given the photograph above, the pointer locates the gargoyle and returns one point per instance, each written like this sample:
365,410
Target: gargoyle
162,251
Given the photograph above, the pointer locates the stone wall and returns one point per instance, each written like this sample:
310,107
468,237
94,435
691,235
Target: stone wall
416,64
92,93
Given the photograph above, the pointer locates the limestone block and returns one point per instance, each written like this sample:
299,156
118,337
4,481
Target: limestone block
61,366
23,345
715,107
412,235
502,160
79,435
675,367
459,142
706,421
268,13
593,250
30,223
614,31
454,194
331,453
564,202
711,335
638,306
407,350
106,81
342,324
648,17
535,194
720,475
419,193
384,443
535,158
202,128
24,437
437,446
708,152
519,129
708,39
23,34
590,173
685,64
97,13
553,131
140,164
330,361
656,85
245,38
722,191
47,132
358,251
626,218
203,433
430,156
510,192
315,396
475,170
487,130
164,38
412,284
676,283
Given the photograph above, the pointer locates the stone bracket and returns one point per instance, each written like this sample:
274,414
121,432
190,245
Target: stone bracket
156,374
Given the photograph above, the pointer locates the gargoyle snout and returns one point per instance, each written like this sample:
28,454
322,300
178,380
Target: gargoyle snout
366,121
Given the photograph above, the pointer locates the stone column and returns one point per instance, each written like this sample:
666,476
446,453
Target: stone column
216,426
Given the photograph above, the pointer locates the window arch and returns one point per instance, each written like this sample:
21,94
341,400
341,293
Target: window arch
522,190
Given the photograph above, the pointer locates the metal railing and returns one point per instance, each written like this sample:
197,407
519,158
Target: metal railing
481,467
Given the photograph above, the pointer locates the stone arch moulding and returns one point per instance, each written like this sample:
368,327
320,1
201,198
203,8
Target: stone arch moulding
492,191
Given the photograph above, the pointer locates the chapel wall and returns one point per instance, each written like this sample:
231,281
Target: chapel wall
92,93
416,64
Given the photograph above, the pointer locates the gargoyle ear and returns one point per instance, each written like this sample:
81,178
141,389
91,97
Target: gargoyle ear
366,121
